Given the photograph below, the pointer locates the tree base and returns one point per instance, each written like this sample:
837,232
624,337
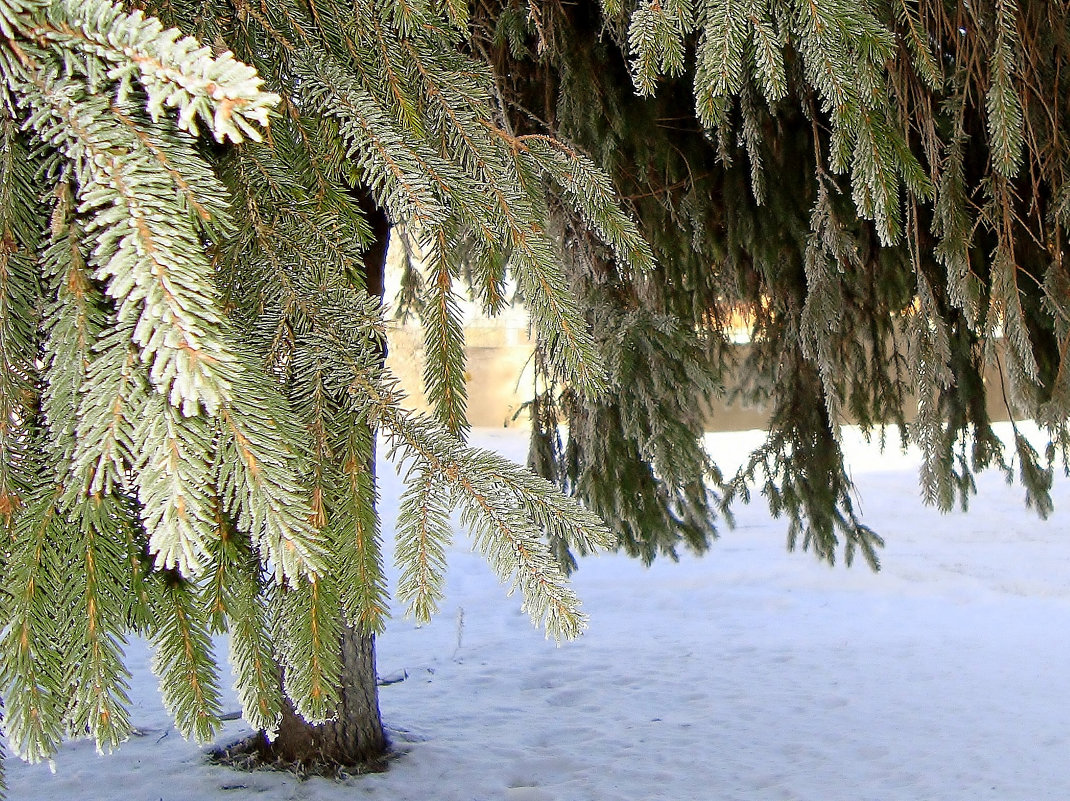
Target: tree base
353,743
256,752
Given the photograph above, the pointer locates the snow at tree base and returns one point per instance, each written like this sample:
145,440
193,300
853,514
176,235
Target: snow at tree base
748,674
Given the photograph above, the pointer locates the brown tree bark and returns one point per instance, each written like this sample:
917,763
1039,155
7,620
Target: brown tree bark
355,738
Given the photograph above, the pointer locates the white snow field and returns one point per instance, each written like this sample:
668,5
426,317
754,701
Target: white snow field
746,674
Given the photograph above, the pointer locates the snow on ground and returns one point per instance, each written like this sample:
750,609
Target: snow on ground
748,674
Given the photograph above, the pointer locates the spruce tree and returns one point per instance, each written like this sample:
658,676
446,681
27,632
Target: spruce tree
192,346
878,189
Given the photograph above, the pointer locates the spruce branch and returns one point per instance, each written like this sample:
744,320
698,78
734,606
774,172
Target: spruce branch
423,534
721,58
1002,102
501,520
907,15
259,479
235,603
156,280
354,532
768,52
444,371
30,667
175,71
555,312
590,192
94,670
173,476
953,229
21,222
307,629
15,13
184,662
1036,479
74,319
114,403
656,40
406,178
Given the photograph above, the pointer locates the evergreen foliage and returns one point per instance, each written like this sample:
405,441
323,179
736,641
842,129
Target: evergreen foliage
191,364
877,190
191,359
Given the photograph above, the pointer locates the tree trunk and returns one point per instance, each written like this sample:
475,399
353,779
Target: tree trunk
355,737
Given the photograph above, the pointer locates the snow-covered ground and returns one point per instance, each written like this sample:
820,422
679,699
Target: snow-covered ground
749,673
